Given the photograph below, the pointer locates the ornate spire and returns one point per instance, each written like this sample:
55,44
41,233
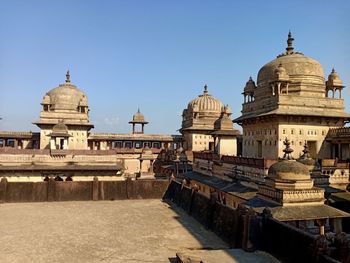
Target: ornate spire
306,152
290,47
138,110
205,92
67,77
287,151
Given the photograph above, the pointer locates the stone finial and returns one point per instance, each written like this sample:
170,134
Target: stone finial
306,152
288,150
205,92
67,77
290,47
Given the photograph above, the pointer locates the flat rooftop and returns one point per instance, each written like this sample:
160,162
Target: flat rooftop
108,231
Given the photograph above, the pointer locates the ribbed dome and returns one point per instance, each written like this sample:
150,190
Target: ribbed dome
66,97
289,170
205,103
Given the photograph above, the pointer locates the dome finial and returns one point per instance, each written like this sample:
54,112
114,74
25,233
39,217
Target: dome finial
67,77
287,151
138,110
205,89
290,47
306,152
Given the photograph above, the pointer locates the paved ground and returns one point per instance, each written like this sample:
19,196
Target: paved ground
105,231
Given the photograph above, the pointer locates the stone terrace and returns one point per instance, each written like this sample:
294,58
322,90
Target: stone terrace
107,231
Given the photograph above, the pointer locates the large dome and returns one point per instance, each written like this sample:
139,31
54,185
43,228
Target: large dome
299,67
205,103
66,97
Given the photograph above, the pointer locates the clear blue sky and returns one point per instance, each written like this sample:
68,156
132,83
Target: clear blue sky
156,55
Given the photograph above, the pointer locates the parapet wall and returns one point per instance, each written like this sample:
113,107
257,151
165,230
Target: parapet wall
81,191
243,228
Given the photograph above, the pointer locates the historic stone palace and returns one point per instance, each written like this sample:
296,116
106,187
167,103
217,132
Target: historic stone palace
292,99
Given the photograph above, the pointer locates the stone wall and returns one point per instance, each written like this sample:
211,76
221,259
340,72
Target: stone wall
243,228
223,220
81,191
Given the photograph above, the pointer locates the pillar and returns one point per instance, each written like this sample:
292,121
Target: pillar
3,186
321,223
95,189
51,189
65,144
15,144
140,168
151,167
52,144
143,125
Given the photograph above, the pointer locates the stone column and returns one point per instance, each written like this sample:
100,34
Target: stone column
65,144
3,186
51,189
140,168
52,144
15,144
321,223
95,189
151,165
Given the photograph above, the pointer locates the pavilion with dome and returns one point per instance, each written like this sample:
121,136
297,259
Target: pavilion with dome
291,99
207,126
64,108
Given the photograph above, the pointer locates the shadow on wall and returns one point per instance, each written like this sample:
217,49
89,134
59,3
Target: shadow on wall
243,228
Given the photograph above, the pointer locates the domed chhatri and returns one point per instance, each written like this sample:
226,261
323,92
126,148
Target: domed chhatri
201,118
202,111
249,90
291,98
65,103
138,118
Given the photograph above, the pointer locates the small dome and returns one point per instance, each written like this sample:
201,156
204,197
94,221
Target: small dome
289,170
280,73
65,97
60,129
334,80
249,86
138,117
205,103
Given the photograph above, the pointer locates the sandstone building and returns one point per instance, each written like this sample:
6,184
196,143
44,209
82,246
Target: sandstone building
206,126
292,99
